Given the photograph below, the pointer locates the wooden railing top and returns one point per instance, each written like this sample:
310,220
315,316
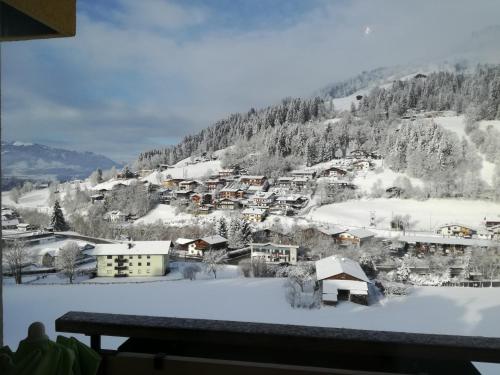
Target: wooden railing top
309,338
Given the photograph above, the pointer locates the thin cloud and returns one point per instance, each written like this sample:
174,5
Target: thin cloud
126,81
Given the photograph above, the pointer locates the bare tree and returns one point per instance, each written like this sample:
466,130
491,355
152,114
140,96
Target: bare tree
67,260
190,271
213,260
16,256
302,274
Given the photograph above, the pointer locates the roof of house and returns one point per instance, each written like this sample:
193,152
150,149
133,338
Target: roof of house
254,211
263,194
360,233
331,230
137,248
248,177
446,240
214,240
331,266
271,244
184,241
455,225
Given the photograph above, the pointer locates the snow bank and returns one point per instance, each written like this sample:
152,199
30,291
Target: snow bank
463,311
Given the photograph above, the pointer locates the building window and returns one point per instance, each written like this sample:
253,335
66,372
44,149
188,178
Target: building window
130,257
130,264
139,256
148,263
148,257
109,257
148,271
109,264
139,264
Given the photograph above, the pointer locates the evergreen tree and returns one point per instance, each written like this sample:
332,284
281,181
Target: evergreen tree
221,227
58,222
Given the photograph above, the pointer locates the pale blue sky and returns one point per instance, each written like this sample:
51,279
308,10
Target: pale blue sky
143,74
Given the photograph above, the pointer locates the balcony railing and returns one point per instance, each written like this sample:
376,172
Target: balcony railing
162,345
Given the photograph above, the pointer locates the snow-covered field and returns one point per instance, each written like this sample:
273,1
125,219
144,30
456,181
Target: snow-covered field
427,214
166,214
462,311
366,180
36,199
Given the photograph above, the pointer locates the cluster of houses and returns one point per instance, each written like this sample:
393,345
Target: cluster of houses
339,279
254,196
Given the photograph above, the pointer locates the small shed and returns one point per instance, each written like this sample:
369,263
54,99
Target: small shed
341,279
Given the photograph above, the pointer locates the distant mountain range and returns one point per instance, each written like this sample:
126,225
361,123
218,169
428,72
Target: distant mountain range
28,161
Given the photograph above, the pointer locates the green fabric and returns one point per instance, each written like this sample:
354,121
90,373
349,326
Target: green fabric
87,360
67,356
6,361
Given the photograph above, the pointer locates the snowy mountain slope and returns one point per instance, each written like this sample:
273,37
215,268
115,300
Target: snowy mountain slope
456,124
35,161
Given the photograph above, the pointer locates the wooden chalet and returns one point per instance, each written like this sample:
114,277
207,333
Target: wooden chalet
253,180
183,194
299,182
172,183
200,199
214,184
263,199
209,243
334,172
361,165
228,204
254,214
231,193
305,173
357,237
188,185
283,182
456,230
341,279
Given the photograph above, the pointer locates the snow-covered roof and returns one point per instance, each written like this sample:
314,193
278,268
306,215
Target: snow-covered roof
332,266
263,194
455,225
300,179
303,171
109,185
360,233
254,211
250,177
446,240
137,248
271,244
331,231
184,241
213,240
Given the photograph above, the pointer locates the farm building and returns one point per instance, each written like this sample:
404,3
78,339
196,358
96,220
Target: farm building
341,279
